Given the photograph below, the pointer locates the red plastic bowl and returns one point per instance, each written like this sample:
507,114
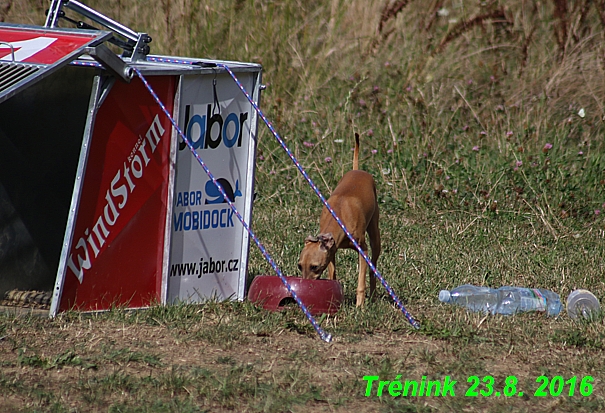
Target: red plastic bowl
319,296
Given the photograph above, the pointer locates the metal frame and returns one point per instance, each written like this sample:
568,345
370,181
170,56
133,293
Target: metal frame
253,143
136,46
99,90
170,201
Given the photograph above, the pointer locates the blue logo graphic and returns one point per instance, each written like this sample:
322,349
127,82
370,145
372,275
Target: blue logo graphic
214,196
205,135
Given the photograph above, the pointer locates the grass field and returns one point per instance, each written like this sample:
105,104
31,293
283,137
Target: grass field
482,123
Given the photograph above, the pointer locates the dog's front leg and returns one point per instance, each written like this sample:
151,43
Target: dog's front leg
361,281
332,269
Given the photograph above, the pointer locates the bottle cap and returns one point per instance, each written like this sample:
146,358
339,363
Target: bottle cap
444,296
582,303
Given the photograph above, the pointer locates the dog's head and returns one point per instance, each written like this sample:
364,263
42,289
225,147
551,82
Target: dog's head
316,255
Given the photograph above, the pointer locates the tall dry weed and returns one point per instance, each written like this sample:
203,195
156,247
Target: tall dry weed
5,7
328,56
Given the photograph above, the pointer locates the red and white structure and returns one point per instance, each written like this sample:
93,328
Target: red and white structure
100,201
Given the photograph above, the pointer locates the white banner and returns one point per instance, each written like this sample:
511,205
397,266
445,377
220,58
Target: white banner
209,248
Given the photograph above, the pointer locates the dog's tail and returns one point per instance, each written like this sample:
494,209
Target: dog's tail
356,153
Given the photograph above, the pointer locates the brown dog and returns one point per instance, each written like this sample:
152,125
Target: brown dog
354,201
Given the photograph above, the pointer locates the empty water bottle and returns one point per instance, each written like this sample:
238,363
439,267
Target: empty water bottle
504,300
472,297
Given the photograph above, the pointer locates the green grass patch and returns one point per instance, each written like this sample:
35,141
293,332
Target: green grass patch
482,125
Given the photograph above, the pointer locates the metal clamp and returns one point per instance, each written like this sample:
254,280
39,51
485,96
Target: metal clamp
111,62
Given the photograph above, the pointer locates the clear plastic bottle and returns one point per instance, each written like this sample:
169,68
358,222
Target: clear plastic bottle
504,300
472,297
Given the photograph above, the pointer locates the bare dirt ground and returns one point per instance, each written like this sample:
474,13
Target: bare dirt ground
102,364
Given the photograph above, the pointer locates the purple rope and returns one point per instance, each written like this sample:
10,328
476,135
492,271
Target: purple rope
171,60
85,63
322,334
412,321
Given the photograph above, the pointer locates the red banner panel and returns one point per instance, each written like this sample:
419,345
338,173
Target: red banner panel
117,252
40,46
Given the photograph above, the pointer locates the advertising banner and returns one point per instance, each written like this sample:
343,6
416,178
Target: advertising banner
116,256
41,46
28,54
209,250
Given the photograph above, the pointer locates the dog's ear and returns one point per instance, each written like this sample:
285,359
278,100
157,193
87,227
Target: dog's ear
327,241
310,239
